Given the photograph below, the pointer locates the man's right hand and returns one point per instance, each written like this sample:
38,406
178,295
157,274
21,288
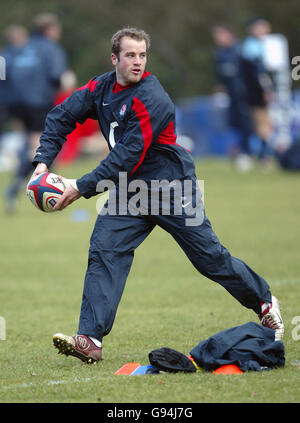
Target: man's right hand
41,168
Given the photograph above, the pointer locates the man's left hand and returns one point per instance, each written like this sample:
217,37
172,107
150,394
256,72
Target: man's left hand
70,194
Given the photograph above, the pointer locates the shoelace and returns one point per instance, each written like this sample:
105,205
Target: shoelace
270,322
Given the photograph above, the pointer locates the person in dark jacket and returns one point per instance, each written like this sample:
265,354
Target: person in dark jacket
33,75
16,36
230,74
137,118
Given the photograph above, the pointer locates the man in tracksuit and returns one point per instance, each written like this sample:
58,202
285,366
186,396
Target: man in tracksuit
137,119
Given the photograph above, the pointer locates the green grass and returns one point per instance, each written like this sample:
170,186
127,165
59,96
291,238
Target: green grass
166,303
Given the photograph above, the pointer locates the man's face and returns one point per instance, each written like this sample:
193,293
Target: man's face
132,60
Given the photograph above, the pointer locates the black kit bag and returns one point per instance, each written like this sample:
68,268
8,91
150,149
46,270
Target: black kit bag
168,360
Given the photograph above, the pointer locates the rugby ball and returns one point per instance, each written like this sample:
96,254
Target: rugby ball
45,190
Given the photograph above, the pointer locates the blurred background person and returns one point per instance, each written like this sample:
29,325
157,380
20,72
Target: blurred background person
259,85
33,74
230,74
86,137
15,36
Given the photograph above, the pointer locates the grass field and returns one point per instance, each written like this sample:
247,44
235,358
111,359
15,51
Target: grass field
166,303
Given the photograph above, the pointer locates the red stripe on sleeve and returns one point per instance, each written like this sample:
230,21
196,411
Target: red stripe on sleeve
91,85
145,123
168,135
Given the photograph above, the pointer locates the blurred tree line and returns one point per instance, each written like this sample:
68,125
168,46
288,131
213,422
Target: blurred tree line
182,50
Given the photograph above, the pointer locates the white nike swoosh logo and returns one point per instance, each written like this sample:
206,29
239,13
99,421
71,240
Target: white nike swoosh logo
105,104
185,205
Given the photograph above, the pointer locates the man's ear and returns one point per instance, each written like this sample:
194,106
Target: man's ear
114,59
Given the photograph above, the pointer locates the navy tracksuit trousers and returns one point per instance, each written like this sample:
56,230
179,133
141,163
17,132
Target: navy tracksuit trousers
112,246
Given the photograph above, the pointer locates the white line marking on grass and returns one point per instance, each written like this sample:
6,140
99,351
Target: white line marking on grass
285,282
47,382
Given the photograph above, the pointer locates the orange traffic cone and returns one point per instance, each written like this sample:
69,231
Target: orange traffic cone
228,369
127,369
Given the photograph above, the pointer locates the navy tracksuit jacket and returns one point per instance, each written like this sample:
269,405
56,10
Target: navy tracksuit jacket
249,346
138,123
